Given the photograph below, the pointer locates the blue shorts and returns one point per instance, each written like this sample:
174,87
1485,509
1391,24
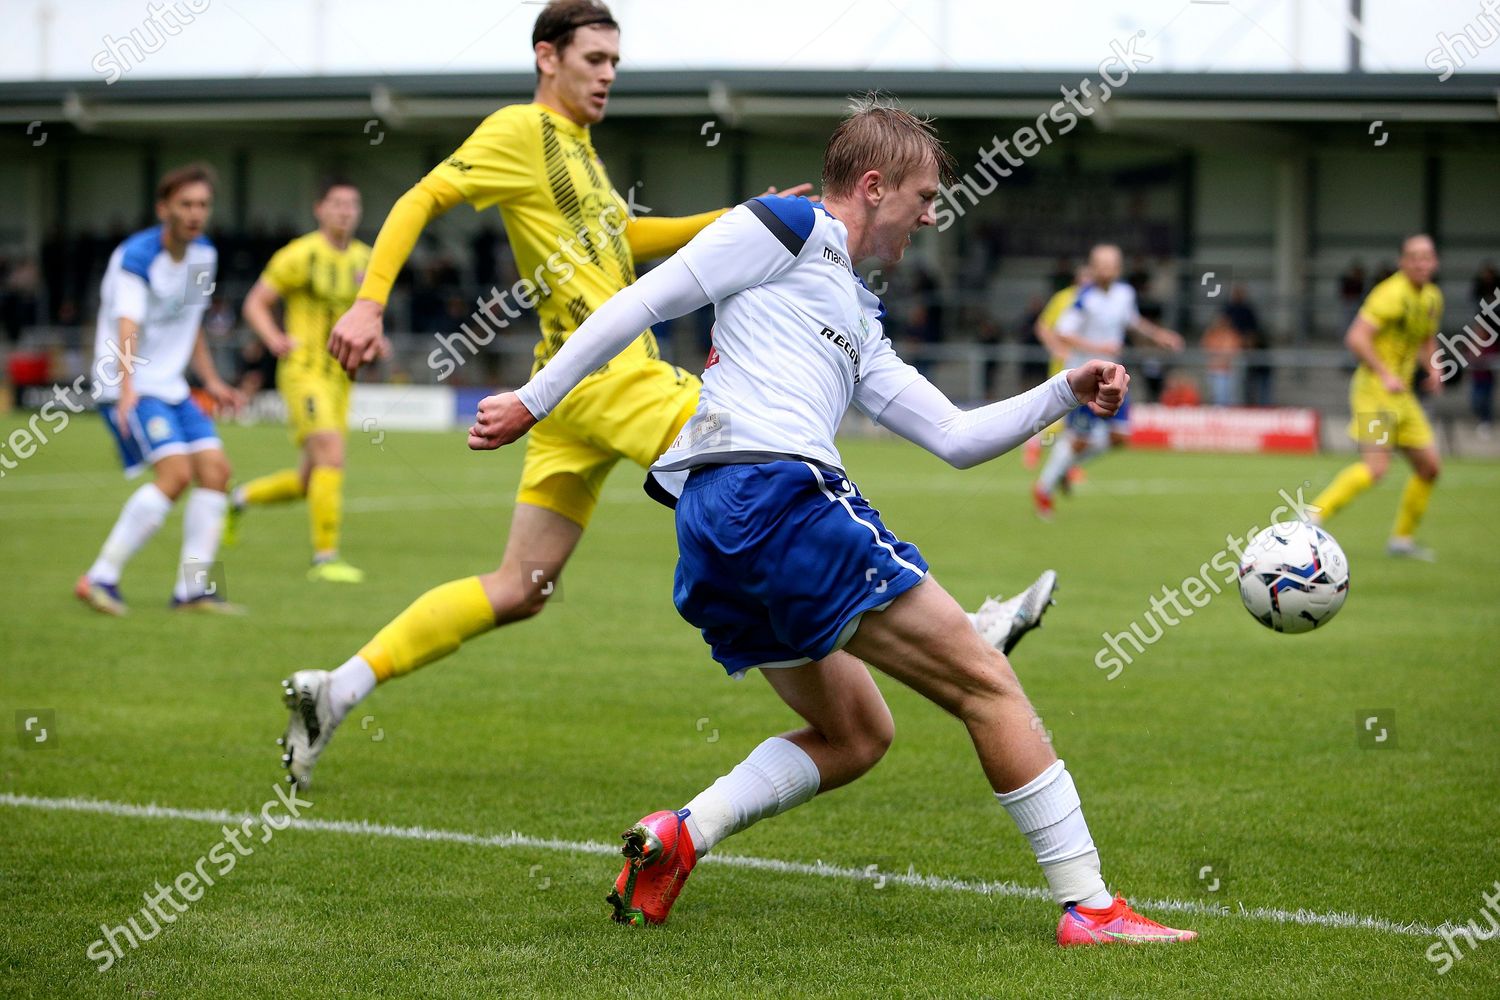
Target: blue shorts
776,562
158,429
1083,419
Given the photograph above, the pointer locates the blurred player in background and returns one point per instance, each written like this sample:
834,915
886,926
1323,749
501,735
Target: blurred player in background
156,288
1395,329
1046,335
317,277
783,565
1094,326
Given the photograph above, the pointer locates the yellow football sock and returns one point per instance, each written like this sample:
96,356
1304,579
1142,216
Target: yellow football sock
435,624
1347,485
1413,505
325,507
278,487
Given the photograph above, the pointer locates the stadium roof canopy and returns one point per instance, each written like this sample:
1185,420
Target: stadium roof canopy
748,97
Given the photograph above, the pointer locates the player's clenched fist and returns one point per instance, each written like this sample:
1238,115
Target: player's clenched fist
359,336
1101,385
501,419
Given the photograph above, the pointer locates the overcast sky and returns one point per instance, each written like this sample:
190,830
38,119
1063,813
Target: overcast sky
65,39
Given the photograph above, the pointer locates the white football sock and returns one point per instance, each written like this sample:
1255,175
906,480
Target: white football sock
1048,812
776,776
139,519
202,526
1059,459
348,686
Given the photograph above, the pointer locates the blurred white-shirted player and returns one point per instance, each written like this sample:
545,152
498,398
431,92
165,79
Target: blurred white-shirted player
783,565
155,290
1094,326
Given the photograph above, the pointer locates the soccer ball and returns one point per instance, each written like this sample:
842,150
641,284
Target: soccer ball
1294,577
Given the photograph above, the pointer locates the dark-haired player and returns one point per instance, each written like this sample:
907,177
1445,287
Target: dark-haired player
316,276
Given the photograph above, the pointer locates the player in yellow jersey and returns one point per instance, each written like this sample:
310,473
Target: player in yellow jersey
316,277
1394,333
1046,335
575,246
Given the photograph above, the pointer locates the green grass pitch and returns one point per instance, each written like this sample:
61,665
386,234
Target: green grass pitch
1222,746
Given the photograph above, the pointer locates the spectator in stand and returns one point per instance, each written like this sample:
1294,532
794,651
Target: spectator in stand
19,282
1352,284
1181,389
1222,346
1241,315
924,320
1482,368
255,368
1062,274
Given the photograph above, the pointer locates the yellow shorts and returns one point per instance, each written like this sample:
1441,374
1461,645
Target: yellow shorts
632,413
1380,419
314,403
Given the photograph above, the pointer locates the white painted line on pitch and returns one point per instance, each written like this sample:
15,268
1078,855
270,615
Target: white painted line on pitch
911,878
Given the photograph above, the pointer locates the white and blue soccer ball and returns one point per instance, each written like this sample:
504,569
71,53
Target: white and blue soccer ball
1294,577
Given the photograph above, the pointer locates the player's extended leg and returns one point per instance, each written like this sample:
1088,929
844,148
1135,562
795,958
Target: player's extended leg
1060,459
1425,467
920,641
848,730
197,587
431,627
140,518
1351,481
324,452
281,486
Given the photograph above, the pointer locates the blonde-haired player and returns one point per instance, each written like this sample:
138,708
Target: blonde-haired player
1395,328
574,242
317,277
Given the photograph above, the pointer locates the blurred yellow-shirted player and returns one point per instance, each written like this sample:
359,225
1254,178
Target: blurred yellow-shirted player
575,246
1046,335
316,277
1395,332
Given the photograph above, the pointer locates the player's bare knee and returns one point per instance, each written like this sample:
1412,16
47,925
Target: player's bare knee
173,487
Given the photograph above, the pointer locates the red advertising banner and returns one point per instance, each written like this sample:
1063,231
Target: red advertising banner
1224,428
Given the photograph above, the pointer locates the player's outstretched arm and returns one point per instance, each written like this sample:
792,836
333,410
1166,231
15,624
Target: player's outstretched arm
1433,377
257,311
1361,343
652,236
965,438
1158,334
666,292
359,335
223,393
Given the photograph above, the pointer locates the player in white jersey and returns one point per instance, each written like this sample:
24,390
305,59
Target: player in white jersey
156,288
783,564
1095,327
